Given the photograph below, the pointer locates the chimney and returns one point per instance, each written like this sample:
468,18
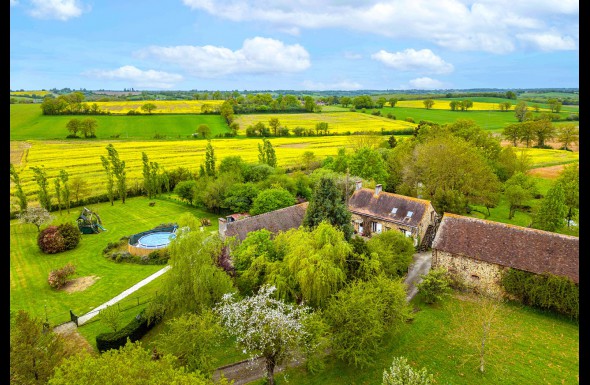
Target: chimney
359,184
222,227
378,189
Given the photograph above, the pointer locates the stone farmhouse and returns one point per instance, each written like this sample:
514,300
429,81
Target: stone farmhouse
478,251
274,221
374,211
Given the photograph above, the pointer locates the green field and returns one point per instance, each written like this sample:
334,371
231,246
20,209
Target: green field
27,122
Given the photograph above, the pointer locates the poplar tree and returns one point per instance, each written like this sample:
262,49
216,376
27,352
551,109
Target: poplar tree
22,198
65,188
110,179
118,170
57,184
41,179
210,160
266,153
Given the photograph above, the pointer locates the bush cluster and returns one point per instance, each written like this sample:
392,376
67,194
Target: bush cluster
133,331
544,291
58,278
55,239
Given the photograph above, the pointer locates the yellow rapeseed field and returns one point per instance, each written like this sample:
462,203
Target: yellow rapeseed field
82,158
162,106
338,122
444,105
36,92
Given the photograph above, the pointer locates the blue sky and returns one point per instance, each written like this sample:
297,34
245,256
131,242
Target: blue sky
293,44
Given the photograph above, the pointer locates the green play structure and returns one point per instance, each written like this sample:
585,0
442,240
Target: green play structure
89,222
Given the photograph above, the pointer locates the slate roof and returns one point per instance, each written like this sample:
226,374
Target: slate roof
364,202
522,248
274,221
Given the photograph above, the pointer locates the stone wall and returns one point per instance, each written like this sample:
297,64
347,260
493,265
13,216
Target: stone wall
474,273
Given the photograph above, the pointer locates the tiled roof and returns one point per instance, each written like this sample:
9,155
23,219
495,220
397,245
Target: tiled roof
522,248
274,221
388,206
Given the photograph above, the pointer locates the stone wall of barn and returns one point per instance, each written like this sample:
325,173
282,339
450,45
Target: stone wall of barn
474,273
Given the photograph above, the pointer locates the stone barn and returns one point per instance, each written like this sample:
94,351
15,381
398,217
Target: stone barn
274,221
374,211
478,251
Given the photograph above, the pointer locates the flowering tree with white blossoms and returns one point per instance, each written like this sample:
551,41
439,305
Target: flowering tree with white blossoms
264,326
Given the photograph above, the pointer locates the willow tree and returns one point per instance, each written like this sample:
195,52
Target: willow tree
317,261
194,282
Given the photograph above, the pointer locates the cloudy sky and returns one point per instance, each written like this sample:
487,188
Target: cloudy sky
293,44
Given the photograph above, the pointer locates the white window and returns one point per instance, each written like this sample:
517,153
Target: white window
409,214
376,227
407,233
394,210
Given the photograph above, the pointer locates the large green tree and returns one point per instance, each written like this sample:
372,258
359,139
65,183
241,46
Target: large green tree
195,282
451,173
35,350
552,211
394,252
131,365
192,338
210,160
519,189
271,199
317,261
327,204
360,314
569,179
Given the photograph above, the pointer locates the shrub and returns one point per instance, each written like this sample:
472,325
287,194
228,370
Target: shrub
544,291
71,235
50,241
435,285
411,120
58,278
401,373
205,222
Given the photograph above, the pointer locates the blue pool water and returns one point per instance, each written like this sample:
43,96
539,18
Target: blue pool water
153,240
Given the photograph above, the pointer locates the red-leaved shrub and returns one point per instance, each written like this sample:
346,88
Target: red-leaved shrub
50,240
58,278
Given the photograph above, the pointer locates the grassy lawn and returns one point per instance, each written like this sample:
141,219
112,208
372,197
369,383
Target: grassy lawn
536,348
29,267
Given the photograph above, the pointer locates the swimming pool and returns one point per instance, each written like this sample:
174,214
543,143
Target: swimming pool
155,240
146,242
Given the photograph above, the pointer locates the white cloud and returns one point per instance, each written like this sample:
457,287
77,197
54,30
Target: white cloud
56,9
257,56
470,25
341,86
411,60
549,41
13,3
145,79
425,83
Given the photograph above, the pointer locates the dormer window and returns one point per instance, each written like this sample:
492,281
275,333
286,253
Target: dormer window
394,210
